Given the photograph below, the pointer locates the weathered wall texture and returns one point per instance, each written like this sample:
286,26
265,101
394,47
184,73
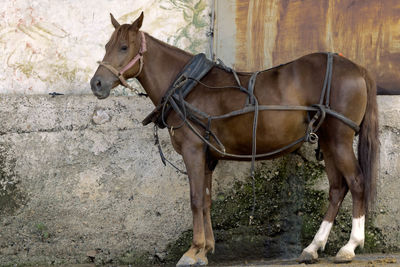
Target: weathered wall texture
388,206
70,185
78,174
51,46
254,35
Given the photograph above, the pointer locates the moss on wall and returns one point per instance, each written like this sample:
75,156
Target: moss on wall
11,198
288,213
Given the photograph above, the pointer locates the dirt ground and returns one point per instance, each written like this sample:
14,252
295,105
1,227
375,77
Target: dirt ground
368,260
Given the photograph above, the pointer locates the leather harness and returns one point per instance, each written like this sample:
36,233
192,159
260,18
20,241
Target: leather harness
197,68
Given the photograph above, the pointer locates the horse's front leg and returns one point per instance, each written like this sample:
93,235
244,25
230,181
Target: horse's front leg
194,158
208,231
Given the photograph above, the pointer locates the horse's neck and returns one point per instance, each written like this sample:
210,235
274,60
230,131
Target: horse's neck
162,63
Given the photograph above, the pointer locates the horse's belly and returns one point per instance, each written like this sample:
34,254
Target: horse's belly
275,130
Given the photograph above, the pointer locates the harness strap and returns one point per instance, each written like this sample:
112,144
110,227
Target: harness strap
163,158
248,109
235,156
238,82
326,88
207,133
120,75
252,82
139,56
330,66
318,153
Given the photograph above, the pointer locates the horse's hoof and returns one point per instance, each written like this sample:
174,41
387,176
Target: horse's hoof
186,261
307,257
344,256
202,261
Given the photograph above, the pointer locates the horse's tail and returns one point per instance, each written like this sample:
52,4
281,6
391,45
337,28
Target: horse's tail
368,143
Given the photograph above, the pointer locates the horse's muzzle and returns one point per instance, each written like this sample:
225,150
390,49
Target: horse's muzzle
100,88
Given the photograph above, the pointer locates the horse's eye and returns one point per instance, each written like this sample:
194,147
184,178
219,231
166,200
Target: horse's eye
124,48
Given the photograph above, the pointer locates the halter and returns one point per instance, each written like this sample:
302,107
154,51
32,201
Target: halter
120,73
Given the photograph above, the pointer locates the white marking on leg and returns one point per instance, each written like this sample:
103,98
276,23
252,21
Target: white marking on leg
320,238
207,191
356,238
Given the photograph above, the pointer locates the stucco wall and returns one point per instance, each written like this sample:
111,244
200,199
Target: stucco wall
51,46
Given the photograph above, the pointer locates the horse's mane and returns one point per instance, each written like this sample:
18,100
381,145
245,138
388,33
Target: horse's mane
164,44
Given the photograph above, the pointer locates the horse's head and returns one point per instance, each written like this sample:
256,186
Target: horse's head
121,50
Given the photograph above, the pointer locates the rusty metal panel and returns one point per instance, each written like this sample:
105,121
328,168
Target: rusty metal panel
271,32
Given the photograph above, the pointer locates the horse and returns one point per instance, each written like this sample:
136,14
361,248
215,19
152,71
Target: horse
131,52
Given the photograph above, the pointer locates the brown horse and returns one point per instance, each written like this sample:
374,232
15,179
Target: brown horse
298,83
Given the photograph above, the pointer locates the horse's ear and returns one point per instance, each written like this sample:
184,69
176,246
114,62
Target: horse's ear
137,23
114,21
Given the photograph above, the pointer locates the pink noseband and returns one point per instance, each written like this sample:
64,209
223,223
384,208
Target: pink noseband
139,56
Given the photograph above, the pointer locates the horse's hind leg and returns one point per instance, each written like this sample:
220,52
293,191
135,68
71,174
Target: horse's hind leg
337,191
348,165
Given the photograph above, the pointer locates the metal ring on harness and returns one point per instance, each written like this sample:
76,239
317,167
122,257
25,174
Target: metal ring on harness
312,138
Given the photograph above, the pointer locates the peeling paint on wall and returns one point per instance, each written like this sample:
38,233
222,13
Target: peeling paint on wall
54,45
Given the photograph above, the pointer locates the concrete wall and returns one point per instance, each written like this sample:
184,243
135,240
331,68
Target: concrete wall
79,175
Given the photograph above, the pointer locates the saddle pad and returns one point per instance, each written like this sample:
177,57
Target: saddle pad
196,69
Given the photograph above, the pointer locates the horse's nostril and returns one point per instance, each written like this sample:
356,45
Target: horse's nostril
98,84
95,83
